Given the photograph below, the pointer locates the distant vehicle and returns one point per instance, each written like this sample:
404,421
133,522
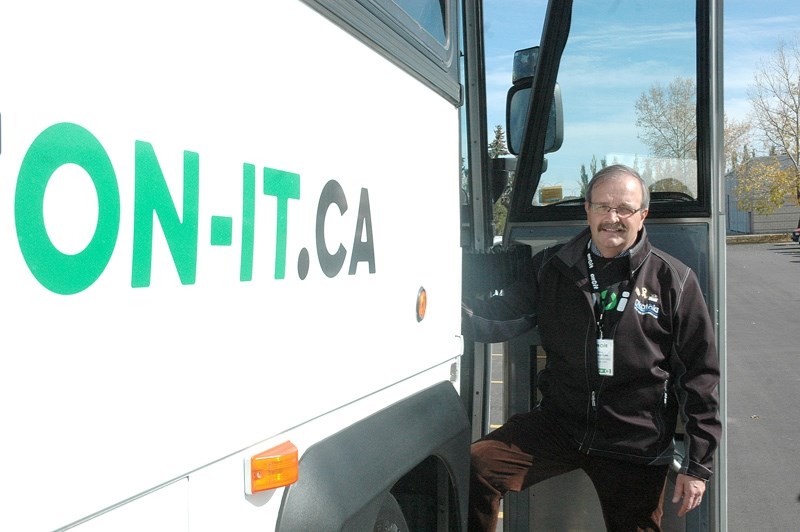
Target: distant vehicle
796,233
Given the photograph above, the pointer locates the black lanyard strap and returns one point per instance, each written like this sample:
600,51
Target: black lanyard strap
600,303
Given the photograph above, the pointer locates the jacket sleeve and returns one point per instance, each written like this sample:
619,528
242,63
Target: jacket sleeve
698,385
506,315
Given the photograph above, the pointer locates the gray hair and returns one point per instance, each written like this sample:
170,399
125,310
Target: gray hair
615,171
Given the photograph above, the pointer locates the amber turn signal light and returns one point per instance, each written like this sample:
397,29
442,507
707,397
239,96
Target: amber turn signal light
273,468
422,303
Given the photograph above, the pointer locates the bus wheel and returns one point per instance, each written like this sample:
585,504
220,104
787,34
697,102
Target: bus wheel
390,517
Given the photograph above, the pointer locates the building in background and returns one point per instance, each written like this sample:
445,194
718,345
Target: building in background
782,220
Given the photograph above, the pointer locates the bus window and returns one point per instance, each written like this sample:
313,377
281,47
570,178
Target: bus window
430,14
628,83
414,34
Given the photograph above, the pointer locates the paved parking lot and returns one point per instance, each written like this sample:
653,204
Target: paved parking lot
763,368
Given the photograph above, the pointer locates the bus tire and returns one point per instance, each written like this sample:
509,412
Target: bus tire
390,516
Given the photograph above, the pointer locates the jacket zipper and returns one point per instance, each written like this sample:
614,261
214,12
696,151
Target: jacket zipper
590,368
591,424
659,414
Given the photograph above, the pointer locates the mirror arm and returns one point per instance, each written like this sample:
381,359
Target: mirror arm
530,161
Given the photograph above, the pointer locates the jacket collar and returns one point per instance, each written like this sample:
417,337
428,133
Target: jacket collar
573,253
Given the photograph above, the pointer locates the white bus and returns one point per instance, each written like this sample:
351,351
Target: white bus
231,245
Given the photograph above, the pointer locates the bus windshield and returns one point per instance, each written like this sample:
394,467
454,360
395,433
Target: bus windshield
628,84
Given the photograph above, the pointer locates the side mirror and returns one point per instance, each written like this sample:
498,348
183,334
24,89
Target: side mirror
519,98
518,102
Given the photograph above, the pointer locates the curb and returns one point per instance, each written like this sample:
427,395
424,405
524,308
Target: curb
756,239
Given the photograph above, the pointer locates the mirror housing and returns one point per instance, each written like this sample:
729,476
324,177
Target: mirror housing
518,101
519,98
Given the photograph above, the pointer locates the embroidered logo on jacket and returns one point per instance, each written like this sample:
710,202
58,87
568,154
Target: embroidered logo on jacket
646,302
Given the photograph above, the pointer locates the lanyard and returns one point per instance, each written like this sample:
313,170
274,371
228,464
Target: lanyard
600,303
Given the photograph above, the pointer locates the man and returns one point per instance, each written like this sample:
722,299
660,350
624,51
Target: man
629,343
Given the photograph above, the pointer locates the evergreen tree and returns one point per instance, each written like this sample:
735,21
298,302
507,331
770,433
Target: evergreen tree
498,148
584,180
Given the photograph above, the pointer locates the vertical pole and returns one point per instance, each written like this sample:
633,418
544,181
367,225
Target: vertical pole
718,255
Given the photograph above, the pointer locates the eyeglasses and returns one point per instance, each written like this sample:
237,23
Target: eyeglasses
622,211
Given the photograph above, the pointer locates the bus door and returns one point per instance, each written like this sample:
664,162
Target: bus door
634,83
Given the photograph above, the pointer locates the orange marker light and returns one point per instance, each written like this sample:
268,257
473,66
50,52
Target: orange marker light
274,468
422,303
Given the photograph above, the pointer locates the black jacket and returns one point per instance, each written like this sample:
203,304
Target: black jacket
664,354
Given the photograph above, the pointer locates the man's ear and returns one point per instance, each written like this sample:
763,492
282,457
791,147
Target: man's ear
644,215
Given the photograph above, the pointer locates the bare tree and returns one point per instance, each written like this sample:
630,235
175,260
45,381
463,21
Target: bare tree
667,119
775,99
737,136
667,122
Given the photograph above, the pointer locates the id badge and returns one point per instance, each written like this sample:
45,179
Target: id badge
605,357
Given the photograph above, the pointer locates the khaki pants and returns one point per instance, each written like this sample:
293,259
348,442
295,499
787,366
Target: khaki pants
530,448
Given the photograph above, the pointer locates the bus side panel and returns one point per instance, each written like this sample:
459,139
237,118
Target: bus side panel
214,224
335,484
164,510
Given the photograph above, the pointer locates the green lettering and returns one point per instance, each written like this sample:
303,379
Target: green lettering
58,145
284,186
152,196
248,221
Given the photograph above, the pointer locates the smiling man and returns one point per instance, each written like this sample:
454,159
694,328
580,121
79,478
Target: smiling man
630,345
616,211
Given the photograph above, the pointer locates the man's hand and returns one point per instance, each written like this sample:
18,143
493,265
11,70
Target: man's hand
691,490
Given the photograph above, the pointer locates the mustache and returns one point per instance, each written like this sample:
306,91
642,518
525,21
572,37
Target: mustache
612,227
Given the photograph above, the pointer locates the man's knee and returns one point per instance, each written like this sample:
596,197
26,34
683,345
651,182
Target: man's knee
481,453
499,465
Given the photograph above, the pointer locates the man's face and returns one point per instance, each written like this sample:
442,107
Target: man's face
612,233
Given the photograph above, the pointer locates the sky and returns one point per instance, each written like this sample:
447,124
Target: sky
752,31
751,35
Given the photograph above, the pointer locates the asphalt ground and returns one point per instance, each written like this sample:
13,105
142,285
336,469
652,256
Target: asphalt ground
763,386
